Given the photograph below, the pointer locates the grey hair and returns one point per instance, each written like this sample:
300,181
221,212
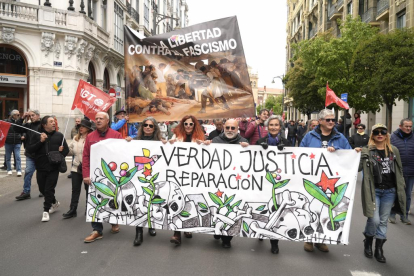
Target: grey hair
408,120
325,112
14,112
35,111
78,117
274,117
157,131
106,114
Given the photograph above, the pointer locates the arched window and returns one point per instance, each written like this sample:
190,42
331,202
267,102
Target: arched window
12,61
106,82
91,76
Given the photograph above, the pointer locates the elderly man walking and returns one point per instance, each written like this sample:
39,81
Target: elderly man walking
324,136
102,132
14,142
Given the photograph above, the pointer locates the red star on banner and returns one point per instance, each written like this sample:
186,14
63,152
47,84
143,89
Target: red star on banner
293,156
219,194
327,183
312,156
147,172
238,177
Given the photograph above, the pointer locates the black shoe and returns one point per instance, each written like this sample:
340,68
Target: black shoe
138,236
70,214
226,244
368,246
3,168
23,196
41,195
70,175
274,246
217,237
152,232
379,253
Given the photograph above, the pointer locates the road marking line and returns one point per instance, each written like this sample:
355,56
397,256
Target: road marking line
364,273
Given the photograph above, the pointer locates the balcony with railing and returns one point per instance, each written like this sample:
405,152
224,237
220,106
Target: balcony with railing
133,13
369,16
340,5
383,7
333,12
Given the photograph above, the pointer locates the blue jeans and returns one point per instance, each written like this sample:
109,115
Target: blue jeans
377,226
15,148
97,226
28,174
292,139
409,183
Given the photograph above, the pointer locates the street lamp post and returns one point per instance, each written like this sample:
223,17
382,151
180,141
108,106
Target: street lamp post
283,98
160,17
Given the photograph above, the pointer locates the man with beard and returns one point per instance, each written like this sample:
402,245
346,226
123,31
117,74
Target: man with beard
230,135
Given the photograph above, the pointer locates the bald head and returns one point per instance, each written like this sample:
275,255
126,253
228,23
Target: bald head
102,121
231,128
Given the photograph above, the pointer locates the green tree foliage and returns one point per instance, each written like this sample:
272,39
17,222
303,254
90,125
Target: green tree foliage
384,69
272,103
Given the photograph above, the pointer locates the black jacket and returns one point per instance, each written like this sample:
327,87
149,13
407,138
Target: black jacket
285,141
54,141
214,134
292,130
301,132
30,136
358,141
222,139
14,136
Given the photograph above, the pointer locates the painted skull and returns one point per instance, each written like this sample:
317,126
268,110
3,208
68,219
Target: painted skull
175,200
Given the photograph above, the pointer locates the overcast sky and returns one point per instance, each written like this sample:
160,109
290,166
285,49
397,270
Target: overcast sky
262,26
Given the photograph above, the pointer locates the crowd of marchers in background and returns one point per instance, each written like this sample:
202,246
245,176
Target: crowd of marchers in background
386,158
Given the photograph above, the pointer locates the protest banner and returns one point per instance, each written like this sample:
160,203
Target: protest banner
198,70
297,194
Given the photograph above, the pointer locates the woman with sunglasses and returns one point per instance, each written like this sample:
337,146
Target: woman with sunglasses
188,130
149,131
383,187
274,138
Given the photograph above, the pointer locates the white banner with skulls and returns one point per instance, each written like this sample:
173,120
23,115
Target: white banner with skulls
297,194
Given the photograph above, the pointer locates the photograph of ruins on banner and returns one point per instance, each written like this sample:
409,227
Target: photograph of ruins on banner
198,70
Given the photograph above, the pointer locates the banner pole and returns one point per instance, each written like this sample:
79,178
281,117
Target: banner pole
66,128
21,126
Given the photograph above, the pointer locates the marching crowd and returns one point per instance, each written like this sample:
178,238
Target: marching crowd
386,159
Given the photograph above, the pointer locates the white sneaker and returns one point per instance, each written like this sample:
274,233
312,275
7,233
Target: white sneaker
19,174
54,207
9,173
45,216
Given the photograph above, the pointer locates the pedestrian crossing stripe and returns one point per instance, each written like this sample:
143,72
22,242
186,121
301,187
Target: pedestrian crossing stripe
58,87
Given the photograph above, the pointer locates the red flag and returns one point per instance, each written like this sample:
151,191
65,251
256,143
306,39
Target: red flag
332,98
4,129
90,100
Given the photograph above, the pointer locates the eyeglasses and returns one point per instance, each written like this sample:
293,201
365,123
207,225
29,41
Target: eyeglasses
330,120
149,125
188,124
361,128
378,132
229,127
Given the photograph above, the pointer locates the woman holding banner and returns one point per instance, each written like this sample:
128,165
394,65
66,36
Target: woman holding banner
383,188
149,131
188,130
274,138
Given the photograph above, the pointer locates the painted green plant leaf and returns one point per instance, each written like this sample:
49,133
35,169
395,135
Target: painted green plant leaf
104,202
95,200
245,227
108,173
157,201
148,191
154,177
202,205
225,198
104,189
317,193
340,217
126,179
228,200
261,208
281,184
236,204
270,178
215,199
184,214
142,179
339,194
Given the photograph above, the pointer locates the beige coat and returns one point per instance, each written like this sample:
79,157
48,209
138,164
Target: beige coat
76,150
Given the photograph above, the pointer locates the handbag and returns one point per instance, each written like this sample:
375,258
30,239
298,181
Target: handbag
63,167
56,158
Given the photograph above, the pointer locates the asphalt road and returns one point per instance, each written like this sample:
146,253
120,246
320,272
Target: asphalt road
30,247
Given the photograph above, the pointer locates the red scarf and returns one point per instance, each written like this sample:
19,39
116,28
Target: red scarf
124,130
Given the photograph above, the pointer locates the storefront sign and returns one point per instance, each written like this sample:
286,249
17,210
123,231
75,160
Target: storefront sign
13,79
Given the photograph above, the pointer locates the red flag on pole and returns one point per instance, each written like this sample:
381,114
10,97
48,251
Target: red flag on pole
90,100
332,98
4,129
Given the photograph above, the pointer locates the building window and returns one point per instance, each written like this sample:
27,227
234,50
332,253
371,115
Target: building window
411,108
12,62
106,83
103,14
91,77
119,29
401,20
146,14
165,7
349,8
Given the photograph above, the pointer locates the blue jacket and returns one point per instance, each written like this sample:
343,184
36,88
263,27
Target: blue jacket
313,140
132,131
406,148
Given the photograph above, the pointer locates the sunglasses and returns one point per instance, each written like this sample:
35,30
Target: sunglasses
330,120
188,124
229,127
378,132
360,128
149,125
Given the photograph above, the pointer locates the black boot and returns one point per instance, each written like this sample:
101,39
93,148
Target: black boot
379,253
152,232
70,214
138,236
368,246
275,246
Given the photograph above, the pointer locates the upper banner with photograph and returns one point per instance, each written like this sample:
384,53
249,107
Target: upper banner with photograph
199,70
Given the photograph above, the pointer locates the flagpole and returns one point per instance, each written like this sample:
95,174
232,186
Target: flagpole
21,126
66,128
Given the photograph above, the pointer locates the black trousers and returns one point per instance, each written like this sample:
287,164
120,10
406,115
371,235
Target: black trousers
226,239
77,180
47,182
